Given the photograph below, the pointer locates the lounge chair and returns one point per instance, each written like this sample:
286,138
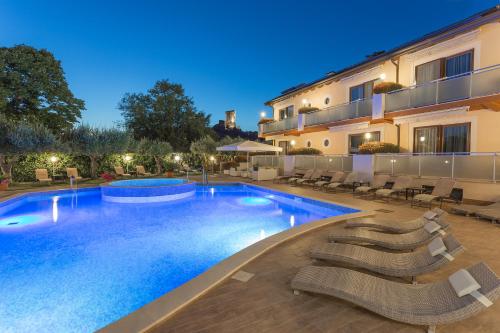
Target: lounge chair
397,227
141,171
442,190
42,175
348,182
306,175
73,173
407,241
492,214
297,173
400,185
120,172
463,295
438,253
472,209
378,182
316,175
336,177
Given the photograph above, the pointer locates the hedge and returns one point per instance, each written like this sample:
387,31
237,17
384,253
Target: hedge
304,151
376,147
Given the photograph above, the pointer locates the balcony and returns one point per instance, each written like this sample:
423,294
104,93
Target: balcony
479,83
280,126
347,111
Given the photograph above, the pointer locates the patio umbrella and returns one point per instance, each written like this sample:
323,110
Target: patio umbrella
250,146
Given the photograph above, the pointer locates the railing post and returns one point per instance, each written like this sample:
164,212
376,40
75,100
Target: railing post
494,167
437,91
453,166
419,166
342,163
470,85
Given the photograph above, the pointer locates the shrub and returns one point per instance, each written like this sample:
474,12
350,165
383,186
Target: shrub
307,109
4,179
304,151
265,121
376,147
385,87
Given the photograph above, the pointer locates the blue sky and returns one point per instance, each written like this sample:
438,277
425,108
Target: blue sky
227,54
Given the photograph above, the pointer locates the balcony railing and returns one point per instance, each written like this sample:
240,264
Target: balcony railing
280,125
352,110
482,82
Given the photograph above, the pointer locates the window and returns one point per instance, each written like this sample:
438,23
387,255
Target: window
326,143
445,67
327,100
362,91
447,139
356,140
286,112
308,144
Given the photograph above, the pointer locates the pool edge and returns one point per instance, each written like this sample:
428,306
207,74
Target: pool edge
170,303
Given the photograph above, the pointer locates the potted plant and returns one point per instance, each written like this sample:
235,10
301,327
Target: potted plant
169,167
386,87
4,183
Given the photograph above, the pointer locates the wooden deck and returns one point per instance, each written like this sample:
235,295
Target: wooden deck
266,303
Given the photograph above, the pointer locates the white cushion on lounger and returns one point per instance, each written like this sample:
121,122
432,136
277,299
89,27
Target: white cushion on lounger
436,247
321,183
463,283
430,215
431,227
334,184
363,188
384,192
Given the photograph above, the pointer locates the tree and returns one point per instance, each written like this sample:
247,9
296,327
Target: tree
21,137
204,147
164,113
33,88
156,149
96,142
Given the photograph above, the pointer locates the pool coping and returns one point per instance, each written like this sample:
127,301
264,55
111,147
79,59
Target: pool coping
173,301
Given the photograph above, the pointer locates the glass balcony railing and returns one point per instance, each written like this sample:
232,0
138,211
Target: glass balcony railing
280,125
482,82
352,110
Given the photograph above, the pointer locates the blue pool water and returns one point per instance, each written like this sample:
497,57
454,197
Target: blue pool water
74,263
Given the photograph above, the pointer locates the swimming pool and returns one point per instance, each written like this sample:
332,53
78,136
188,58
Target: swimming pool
70,262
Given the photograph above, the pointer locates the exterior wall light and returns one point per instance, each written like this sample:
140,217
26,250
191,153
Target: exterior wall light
292,143
368,136
304,101
382,76
262,114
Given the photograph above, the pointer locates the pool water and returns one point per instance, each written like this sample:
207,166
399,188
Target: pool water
70,262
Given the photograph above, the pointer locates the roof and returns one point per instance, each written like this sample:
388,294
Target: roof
450,31
249,146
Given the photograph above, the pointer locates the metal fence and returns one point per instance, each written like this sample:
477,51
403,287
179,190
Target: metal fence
482,82
355,109
467,166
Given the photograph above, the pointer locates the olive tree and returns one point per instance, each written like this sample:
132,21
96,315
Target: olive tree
96,143
21,137
156,149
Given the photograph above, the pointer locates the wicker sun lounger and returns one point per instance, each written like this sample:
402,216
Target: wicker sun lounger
492,214
400,185
442,190
415,263
315,176
463,295
306,175
407,241
378,182
348,181
472,209
397,227
336,177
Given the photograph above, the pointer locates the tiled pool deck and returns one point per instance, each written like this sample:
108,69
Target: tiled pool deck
266,303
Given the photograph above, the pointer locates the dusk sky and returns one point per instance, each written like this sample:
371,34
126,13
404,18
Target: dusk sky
226,54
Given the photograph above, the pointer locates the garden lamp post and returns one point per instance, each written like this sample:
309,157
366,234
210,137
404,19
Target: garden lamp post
53,159
127,159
